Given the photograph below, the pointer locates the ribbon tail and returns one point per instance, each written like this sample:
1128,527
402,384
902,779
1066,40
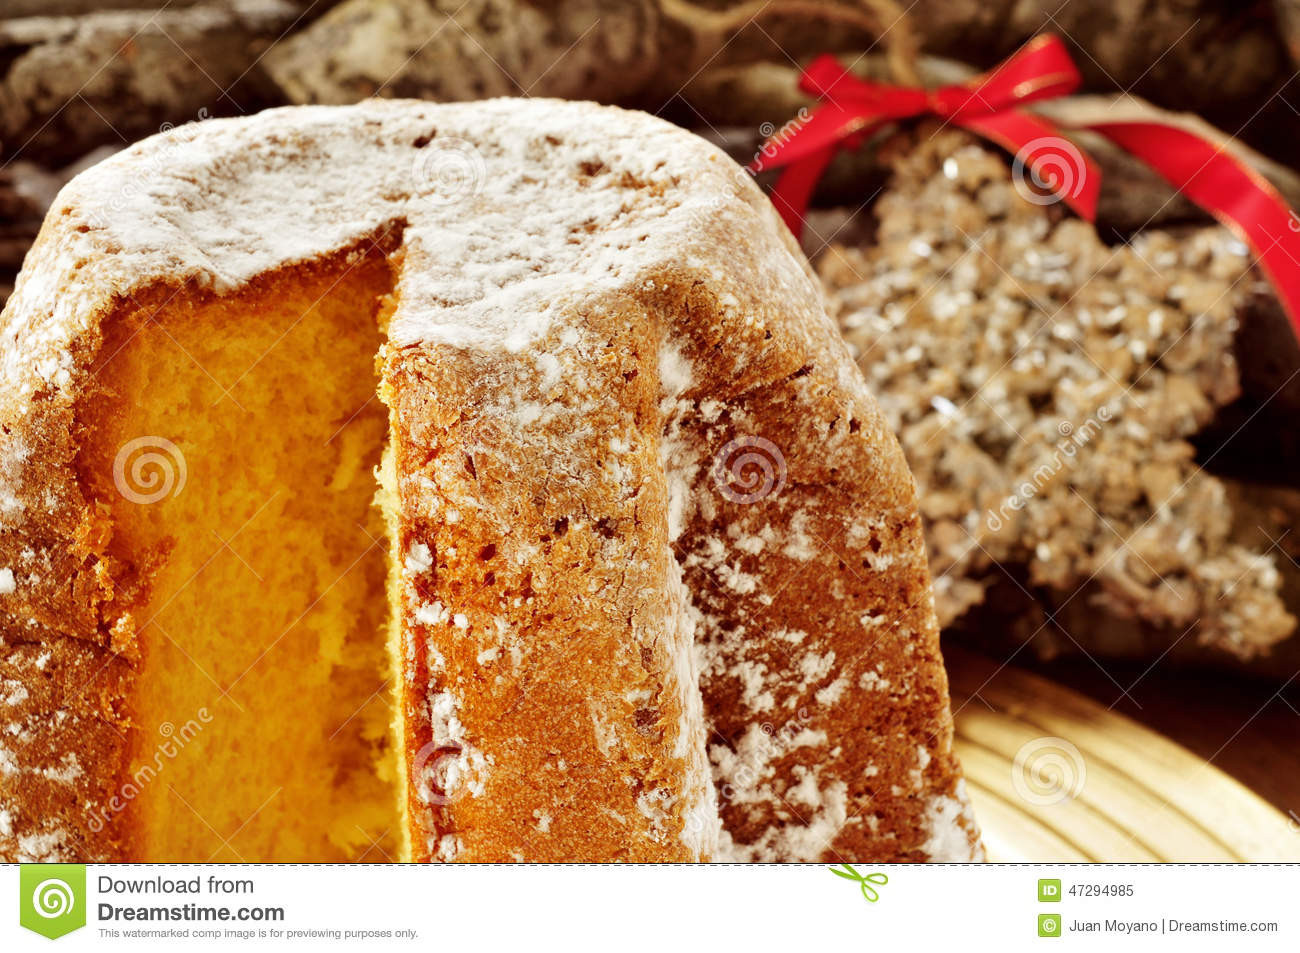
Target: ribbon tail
1039,147
1236,195
794,188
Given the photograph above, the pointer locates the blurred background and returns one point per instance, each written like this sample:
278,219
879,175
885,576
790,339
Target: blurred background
1101,419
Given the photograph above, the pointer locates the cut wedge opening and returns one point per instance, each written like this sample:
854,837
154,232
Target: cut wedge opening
234,447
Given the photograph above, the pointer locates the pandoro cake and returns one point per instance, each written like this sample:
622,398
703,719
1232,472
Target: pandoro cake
474,482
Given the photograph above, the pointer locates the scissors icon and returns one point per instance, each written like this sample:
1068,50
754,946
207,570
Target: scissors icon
864,881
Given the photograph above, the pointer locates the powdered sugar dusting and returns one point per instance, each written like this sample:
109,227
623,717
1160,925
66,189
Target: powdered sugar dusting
479,273
700,809
948,823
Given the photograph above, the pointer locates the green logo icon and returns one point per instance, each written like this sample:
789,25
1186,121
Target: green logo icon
1049,891
1049,924
864,881
52,898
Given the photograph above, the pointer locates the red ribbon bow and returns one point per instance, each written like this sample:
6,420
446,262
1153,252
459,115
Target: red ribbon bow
1235,194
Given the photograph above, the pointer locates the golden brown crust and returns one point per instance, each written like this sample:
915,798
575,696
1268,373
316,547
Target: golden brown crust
64,667
63,740
828,702
542,626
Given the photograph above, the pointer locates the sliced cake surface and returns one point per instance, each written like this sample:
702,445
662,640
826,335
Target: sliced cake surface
641,577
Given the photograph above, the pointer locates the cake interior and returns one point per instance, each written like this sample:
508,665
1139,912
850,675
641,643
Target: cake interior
264,696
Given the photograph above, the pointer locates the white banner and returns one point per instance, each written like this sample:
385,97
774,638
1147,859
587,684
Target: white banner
664,909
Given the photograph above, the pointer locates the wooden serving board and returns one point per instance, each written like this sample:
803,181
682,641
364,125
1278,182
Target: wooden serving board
1054,776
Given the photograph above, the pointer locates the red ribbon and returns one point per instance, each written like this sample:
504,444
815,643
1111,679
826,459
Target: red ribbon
851,107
